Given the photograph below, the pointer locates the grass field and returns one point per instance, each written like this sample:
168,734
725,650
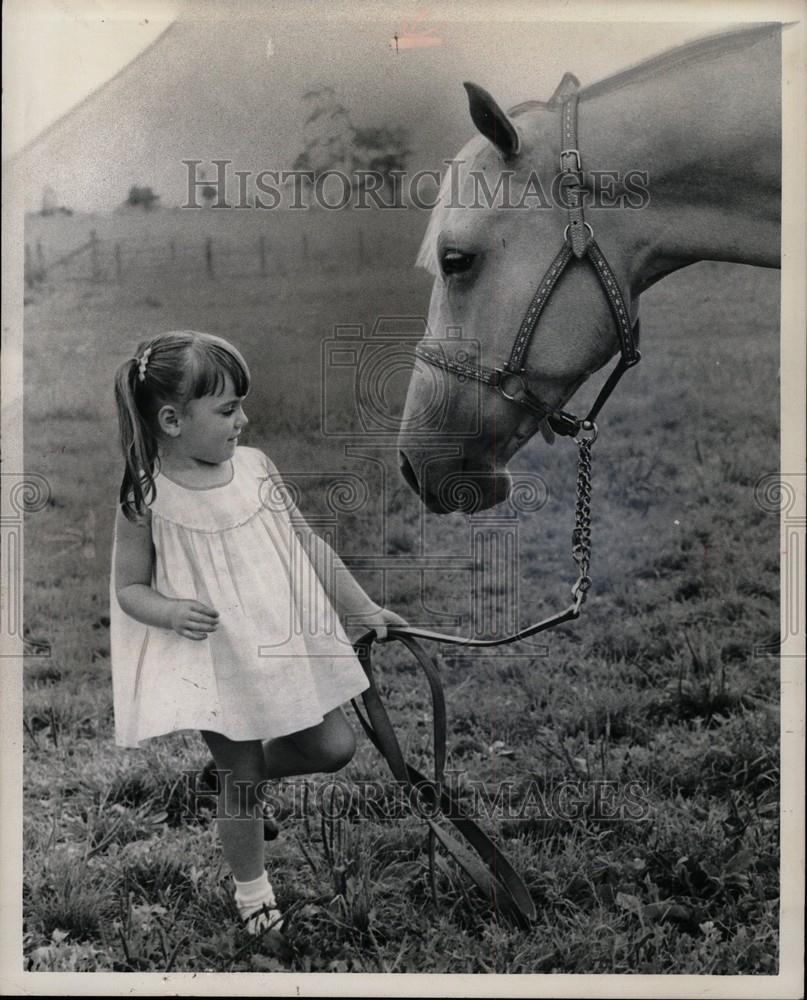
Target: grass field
661,685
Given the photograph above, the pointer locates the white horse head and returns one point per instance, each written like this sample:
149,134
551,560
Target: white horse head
663,188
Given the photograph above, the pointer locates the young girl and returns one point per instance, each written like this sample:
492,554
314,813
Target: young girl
222,598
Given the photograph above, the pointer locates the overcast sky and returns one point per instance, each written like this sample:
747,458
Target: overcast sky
64,49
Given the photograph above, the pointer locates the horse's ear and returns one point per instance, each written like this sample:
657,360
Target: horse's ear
492,122
568,85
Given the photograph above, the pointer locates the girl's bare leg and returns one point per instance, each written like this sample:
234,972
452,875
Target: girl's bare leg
241,768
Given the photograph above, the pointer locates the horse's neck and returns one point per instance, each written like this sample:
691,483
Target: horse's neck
707,131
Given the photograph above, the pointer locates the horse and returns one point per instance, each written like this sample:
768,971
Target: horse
678,160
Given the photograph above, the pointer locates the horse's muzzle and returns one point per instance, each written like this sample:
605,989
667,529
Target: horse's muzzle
408,472
445,487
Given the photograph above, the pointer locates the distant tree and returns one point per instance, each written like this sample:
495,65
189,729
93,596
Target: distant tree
209,193
381,150
142,196
328,133
333,142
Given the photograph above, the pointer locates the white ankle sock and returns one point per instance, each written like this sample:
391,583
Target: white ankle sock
255,900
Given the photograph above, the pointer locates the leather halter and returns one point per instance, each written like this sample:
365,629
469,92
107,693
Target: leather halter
578,244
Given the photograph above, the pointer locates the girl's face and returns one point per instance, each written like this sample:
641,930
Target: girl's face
209,426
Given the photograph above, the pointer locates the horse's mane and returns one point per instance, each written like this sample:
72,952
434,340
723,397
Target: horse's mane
700,48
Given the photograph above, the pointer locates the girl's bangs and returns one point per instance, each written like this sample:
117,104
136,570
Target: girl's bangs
212,365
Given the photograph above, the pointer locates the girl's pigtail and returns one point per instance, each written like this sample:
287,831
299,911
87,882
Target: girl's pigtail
170,369
138,443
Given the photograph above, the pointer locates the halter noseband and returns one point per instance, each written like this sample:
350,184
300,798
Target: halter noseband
578,243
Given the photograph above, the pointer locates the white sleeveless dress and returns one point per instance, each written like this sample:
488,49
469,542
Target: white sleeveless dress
279,659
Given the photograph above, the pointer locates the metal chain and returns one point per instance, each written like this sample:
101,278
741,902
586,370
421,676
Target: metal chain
581,536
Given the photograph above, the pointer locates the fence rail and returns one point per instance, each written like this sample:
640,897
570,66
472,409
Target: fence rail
107,259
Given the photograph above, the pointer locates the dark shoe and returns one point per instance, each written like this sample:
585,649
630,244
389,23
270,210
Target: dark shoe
209,778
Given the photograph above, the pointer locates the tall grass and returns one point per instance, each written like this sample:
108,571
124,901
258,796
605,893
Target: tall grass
657,685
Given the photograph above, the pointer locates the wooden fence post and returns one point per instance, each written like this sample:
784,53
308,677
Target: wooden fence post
118,266
94,263
29,267
262,253
209,255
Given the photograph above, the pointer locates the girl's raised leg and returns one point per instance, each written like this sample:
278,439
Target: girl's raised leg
328,746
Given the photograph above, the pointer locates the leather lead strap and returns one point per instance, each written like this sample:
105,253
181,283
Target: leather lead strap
500,883
495,875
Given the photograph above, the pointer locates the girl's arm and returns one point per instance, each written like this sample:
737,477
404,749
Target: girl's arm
134,558
351,601
343,589
347,595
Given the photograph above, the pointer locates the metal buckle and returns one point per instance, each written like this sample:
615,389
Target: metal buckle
586,224
503,374
587,431
576,154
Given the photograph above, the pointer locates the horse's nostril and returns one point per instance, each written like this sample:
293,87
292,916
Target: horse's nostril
407,471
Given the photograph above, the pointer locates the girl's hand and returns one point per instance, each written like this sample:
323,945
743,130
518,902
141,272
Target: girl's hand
379,620
193,620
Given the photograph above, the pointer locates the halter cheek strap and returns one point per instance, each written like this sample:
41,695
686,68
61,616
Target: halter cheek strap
578,244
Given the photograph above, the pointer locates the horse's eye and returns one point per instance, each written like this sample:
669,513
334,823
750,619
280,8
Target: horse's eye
455,261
